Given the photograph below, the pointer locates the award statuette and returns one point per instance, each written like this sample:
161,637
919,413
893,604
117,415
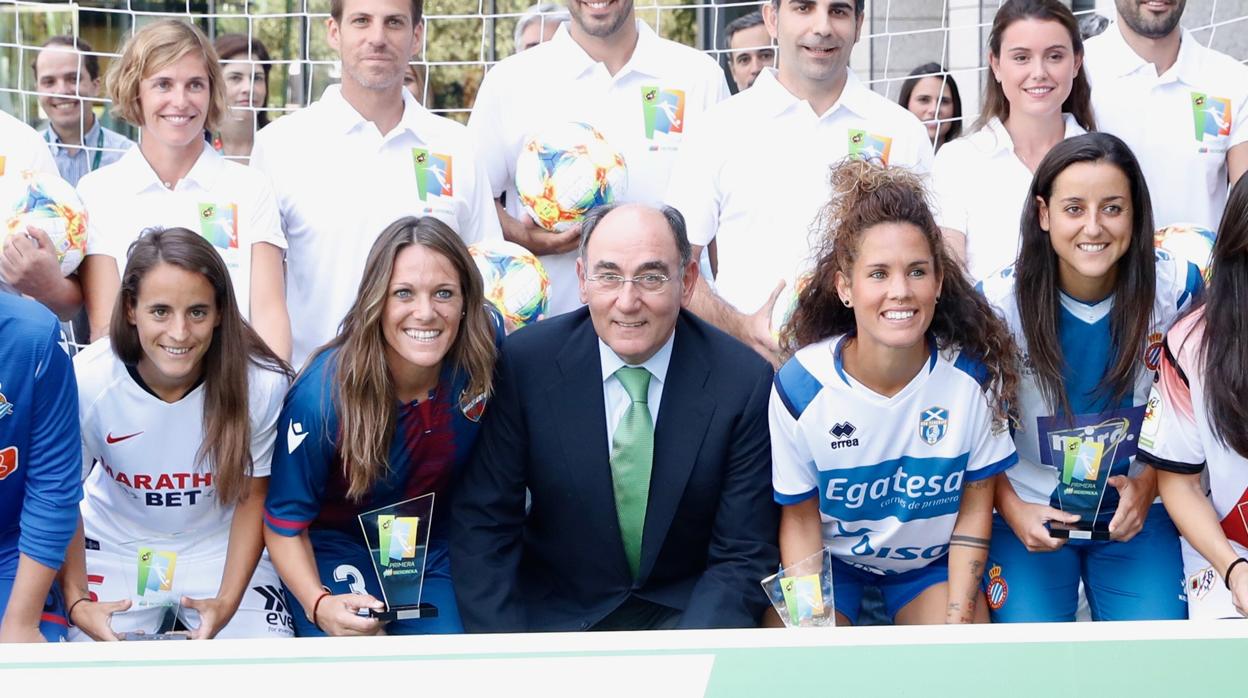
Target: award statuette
151,575
397,539
802,592
1084,450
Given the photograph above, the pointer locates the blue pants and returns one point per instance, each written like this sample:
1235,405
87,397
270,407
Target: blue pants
1141,579
52,622
345,567
849,582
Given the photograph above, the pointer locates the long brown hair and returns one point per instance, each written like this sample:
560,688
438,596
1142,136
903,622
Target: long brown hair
864,195
231,47
1037,285
364,392
1078,103
227,419
1224,343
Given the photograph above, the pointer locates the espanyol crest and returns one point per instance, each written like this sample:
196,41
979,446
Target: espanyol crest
934,424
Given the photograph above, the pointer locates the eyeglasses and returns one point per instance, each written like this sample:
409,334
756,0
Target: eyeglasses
610,283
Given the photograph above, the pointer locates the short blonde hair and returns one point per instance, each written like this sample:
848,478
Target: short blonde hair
155,47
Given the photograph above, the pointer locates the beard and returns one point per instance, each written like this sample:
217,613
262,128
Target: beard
1148,25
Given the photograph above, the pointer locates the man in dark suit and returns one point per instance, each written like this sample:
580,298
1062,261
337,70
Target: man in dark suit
640,432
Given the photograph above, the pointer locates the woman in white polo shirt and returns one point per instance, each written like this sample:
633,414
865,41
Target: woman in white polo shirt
168,82
1036,97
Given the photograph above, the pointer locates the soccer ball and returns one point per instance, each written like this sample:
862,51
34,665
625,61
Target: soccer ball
566,170
515,281
1188,242
49,203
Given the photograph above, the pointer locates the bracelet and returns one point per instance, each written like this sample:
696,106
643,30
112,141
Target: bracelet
315,606
1226,578
69,615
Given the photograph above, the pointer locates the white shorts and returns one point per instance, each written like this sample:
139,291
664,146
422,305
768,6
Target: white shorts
115,572
1207,595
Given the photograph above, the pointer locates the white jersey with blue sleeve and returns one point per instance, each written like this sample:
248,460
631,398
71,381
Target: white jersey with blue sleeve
888,471
1045,440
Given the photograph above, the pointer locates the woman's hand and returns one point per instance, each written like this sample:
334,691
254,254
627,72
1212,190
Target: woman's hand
92,617
338,615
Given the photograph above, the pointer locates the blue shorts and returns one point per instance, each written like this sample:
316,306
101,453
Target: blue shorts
345,567
52,622
898,590
1141,579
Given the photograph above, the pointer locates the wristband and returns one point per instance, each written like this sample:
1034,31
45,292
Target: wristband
1226,578
69,614
315,606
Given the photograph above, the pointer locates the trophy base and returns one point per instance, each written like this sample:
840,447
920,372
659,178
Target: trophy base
424,610
1079,531
138,636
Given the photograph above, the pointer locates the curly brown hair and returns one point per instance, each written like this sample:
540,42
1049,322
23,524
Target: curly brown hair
866,194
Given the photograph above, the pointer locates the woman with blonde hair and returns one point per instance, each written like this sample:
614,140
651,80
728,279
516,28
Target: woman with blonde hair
168,83
385,412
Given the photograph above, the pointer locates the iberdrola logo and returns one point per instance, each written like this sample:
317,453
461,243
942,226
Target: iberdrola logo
1212,115
664,110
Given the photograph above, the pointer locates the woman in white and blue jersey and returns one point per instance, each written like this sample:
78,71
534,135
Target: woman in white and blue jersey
889,421
1089,301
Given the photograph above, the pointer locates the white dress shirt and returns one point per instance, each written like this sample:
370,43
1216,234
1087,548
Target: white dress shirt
616,398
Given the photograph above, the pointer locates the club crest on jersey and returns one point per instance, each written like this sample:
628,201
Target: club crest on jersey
6,407
869,146
1200,584
934,424
998,590
1152,354
663,110
434,174
8,461
1212,116
473,408
218,224
843,435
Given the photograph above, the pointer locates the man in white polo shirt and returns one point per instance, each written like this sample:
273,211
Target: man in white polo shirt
758,201
606,68
1182,107
361,157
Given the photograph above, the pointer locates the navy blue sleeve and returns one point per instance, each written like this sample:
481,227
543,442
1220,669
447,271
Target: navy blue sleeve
303,452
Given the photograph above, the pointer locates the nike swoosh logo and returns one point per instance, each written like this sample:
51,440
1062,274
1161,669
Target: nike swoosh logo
294,436
118,439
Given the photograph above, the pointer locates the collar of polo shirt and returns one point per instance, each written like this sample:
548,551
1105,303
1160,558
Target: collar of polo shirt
781,100
141,177
645,59
1002,141
1123,60
347,119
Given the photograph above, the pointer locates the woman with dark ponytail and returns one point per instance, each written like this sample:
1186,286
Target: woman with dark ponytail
1198,420
895,351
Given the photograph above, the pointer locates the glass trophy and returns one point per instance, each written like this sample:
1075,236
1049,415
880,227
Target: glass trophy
1084,450
802,592
150,571
397,539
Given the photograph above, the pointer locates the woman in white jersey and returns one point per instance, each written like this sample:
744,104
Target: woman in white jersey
889,421
1035,97
1197,421
179,414
168,83
1088,302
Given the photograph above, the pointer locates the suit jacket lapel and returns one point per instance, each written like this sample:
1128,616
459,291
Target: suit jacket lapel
579,412
684,415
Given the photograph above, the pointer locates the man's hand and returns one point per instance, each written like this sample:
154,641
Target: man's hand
757,330
30,265
528,234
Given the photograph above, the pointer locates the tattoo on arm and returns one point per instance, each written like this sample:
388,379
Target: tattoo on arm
969,541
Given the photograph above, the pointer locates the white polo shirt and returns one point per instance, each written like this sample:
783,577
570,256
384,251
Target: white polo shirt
981,187
755,176
340,182
21,149
1180,125
230,204
645,111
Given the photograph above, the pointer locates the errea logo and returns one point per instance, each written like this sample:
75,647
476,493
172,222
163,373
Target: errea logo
843,433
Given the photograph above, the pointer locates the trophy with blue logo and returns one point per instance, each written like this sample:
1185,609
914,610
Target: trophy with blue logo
802,592
397,539
149,568
1084,450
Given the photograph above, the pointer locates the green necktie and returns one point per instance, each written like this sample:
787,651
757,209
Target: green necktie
632,453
